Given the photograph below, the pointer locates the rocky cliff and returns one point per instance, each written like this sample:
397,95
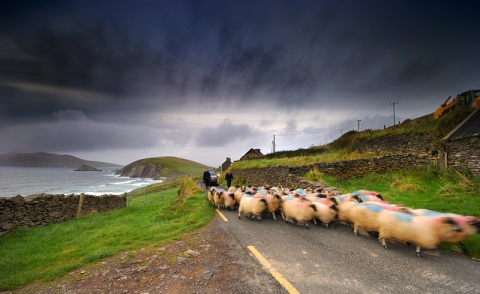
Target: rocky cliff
142,170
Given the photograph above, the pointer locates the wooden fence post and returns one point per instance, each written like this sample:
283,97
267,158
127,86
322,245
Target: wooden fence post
80,203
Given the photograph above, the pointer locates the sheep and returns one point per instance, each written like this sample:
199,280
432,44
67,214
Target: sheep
470,225
229,200
239,193
219,198
298,211
342,200
252,207
326,214
373,198
423,231
367,193
210,194
364,215
273,203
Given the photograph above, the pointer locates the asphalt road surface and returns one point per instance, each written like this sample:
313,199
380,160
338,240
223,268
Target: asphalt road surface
321,260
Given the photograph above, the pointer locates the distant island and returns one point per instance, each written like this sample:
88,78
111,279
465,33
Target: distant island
85,167
43,159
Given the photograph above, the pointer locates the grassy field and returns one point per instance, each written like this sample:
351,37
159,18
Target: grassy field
149,220
444,192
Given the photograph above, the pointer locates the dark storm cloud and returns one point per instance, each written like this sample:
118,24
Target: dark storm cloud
226,134
132,63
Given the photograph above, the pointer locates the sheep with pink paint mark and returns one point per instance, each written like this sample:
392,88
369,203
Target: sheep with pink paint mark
298,211
424,231
325,213
470,226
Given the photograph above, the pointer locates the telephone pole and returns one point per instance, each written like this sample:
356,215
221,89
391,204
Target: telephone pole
273,144
358,125
393,103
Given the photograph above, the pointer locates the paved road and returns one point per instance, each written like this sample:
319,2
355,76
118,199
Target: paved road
320,260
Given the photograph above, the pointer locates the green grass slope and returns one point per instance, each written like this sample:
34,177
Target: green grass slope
149,220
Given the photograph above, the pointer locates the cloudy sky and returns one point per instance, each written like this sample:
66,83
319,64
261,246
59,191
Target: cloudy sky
118,80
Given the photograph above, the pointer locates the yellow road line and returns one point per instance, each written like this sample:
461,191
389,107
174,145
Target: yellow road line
273,271
222,216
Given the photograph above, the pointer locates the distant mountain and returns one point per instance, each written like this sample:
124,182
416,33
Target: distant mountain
42,159
161,168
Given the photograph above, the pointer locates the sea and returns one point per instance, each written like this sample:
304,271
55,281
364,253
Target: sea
26,181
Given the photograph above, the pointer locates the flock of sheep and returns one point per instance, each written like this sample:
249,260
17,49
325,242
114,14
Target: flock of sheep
361,209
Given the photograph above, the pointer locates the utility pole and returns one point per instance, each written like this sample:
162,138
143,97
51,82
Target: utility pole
273,144
393,103
358,125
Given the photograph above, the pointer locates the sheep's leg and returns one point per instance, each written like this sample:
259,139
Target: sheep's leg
273,213
464,248
355,229
384,242
419,254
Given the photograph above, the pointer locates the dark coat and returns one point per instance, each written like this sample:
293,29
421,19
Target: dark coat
206,176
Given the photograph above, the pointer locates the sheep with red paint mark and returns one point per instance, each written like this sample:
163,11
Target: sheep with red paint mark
424,231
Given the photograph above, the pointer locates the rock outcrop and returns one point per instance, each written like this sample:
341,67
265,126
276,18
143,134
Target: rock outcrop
85,167
141,170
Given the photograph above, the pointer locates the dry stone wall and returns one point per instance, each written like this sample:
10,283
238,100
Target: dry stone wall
44,209
464,155
396,144
292,176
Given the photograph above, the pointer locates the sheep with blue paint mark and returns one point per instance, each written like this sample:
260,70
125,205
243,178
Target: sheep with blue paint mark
470,226
252,207
365,215
423,231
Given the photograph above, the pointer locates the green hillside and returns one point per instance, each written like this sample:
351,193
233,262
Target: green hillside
167,166
43,159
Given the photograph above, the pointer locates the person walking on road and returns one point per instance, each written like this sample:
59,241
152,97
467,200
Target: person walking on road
206,178
229,178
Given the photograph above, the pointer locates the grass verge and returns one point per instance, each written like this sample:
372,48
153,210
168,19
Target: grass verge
450,191
46,253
